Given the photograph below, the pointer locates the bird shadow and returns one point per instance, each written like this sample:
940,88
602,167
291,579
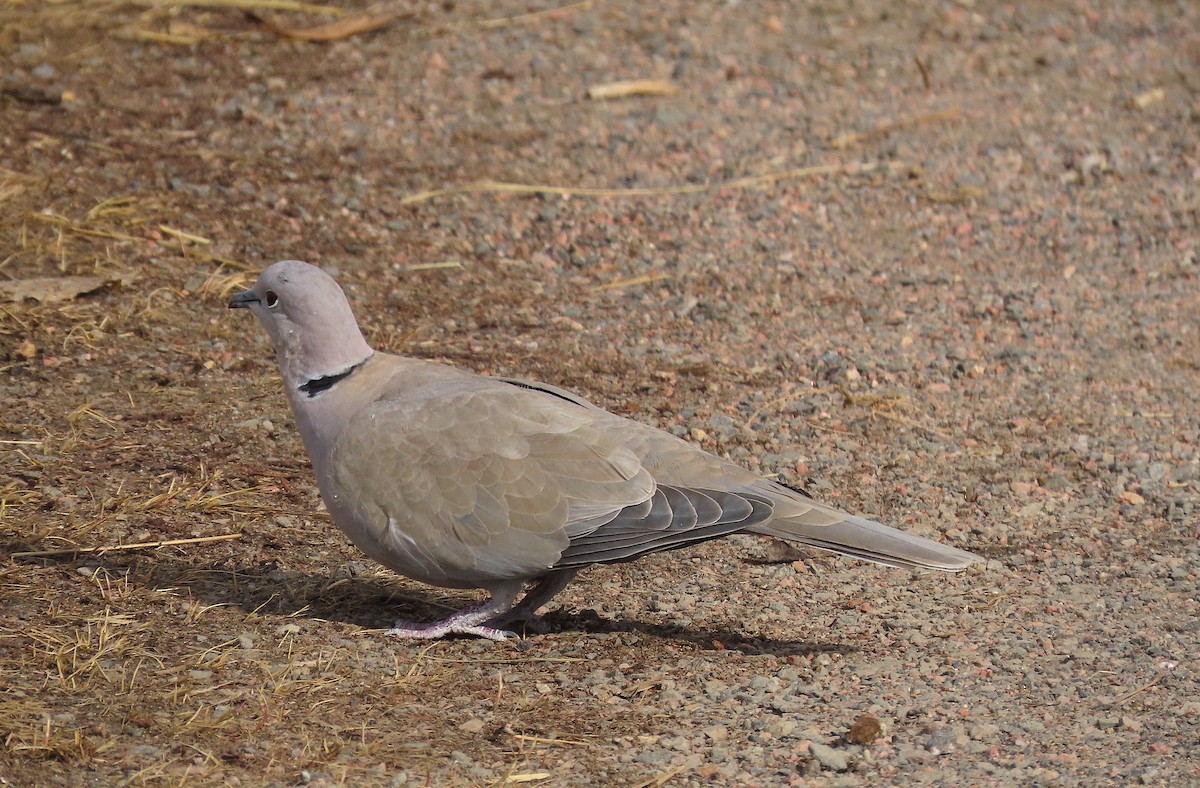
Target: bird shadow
269,589
715,639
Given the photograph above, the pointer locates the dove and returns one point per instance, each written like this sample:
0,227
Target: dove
462,480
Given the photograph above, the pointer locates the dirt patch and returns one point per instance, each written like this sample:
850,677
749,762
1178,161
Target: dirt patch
937,265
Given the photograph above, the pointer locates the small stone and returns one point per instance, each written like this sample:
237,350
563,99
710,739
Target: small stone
828,756
678,743
414,746
786,705
659,605
781,727
941,740
654,757
1058,483
865,730
780,552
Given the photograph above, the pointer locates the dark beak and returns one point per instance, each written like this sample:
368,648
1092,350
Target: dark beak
243,300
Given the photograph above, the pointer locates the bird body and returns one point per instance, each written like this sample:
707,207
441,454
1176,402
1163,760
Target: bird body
468,481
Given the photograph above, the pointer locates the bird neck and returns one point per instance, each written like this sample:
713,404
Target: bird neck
322,401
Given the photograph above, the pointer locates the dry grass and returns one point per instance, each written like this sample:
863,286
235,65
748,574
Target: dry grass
247,5
202,497
103,651
95,657
754,181
852,139
43,240
48,235
40,739
77,551
631,88
134,664
161,21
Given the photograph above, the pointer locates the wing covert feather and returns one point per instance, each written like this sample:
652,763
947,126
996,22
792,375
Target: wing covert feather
460,487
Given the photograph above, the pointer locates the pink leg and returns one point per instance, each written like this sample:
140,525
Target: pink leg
471,620
538,594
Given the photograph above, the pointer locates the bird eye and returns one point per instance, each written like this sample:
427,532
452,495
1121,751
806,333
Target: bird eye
271,299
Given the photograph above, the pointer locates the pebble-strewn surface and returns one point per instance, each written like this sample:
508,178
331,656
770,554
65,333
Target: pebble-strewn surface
978,318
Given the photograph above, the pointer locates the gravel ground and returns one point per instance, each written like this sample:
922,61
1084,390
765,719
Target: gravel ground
937,263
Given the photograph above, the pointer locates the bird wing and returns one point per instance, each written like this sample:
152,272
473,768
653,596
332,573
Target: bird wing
463,481
790,514
693,508
467,480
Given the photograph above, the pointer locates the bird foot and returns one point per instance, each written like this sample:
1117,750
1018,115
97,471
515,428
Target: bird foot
527,624
474,620
407,630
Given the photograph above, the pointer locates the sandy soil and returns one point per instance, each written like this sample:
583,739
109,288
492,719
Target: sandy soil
935,262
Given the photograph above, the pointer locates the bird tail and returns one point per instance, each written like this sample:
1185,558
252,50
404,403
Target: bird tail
829,529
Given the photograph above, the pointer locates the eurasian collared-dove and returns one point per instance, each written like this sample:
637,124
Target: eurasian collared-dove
461,480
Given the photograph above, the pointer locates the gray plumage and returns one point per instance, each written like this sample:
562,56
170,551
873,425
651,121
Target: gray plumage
467,481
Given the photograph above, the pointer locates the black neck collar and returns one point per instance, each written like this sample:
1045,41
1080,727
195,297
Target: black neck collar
324,383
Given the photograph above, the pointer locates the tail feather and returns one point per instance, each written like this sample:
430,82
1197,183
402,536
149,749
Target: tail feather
870,541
